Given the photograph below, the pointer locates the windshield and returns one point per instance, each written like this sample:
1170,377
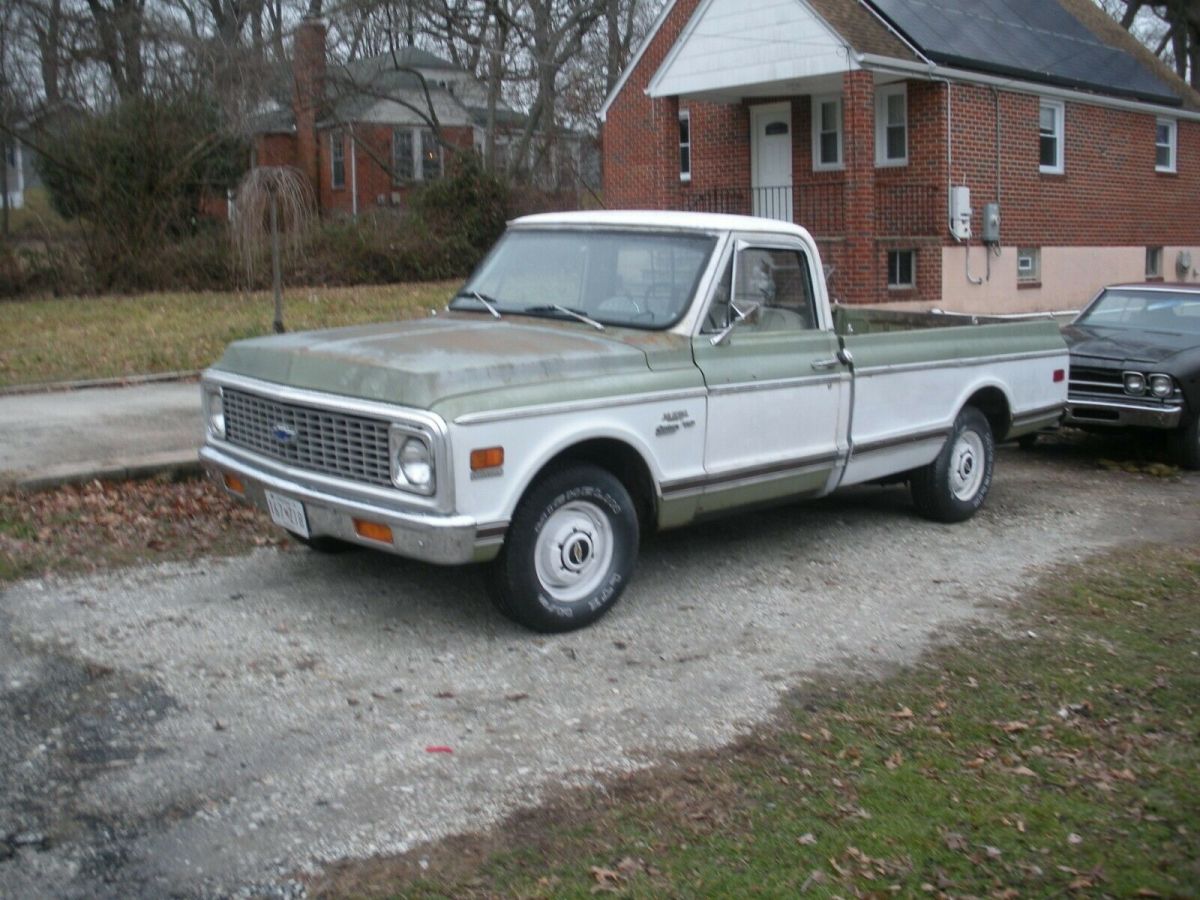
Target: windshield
1159,310
633,279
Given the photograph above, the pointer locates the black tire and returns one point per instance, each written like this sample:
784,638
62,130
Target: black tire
1185,444
569,552
322,543
953,487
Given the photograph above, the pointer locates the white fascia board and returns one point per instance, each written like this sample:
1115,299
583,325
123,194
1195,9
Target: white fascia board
733,44
636,58
943,73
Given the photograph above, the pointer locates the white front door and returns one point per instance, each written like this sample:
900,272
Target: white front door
771,160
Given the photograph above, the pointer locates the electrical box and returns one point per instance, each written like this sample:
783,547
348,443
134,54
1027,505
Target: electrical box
960,212
991,223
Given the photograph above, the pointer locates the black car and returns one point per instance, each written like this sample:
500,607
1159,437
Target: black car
1135,363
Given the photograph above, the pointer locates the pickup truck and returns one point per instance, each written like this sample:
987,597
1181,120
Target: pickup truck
605,374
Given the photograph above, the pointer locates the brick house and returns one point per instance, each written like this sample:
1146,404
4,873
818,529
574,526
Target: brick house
363,133
863,120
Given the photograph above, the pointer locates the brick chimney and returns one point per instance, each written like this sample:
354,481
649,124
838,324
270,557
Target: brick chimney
308,94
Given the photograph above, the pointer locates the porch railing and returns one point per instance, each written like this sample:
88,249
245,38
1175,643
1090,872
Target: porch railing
818,207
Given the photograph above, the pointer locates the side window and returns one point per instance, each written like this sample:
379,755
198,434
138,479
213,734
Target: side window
778,281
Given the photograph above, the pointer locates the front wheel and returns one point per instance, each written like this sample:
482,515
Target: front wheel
1185,443
570,550
954,486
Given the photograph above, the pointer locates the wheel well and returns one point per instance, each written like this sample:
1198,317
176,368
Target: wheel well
622,461
994,405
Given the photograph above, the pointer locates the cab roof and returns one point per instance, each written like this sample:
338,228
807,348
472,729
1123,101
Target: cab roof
660,219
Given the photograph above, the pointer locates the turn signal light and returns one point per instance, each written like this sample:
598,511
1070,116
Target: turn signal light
373,531
233,483
487,458
1060,375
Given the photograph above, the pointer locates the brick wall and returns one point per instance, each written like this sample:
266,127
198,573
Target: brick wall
1109,193
370,169
275,150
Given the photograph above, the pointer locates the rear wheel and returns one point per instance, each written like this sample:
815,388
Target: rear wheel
570,550
954,486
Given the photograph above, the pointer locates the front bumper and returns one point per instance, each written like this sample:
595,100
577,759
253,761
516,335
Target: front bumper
1092,412
430,537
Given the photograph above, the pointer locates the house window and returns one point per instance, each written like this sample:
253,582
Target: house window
685,145
431,156
337,159
827,132
891,125
416,155
902,265
1154,256
1029,265
1164,145
1050,136
402,155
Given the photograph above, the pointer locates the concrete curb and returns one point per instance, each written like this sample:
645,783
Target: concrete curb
173,462
48,387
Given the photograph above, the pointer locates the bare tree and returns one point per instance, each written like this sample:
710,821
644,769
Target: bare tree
1171,29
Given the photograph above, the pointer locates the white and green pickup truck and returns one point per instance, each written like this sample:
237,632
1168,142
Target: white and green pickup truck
605,374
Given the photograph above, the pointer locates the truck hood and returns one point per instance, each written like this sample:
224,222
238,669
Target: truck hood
422,362
1123,345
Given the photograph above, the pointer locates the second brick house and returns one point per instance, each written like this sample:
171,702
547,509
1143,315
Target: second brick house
981,155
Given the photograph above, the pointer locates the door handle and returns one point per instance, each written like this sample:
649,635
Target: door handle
825,363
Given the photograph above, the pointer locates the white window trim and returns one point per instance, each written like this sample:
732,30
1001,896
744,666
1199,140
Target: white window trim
1173,143
1060,135
685,115
817,165
1035,273
418,155
1155,254
882,93
912,272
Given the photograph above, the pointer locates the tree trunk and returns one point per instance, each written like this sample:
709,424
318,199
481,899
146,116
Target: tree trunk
276,273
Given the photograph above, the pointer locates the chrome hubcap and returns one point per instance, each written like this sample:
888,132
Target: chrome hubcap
574,552
967,465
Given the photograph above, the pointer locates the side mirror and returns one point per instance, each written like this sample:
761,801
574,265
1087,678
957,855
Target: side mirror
741,314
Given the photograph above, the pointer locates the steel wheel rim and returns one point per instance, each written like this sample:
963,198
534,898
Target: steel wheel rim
967,465
574,552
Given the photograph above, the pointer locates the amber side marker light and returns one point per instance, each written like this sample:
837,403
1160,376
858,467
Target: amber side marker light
1060,375
487,458
373,531
233,483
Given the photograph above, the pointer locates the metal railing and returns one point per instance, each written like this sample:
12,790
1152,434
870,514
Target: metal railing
818,207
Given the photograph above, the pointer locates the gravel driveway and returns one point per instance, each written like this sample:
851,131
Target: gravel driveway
212,728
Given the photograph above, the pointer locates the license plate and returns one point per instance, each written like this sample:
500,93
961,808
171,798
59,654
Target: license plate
287,512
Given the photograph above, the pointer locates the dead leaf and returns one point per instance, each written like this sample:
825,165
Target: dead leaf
807,839
605,877
1025,772
894,761
1073,838
903,713
1014,727
955,841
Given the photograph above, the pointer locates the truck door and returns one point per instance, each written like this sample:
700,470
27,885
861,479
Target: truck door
778,394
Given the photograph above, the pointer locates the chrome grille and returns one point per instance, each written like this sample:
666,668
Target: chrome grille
1096,382
332,443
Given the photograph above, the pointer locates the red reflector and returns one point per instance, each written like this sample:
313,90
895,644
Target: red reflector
1059,375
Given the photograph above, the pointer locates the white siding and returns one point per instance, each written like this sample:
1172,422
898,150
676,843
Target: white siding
730,44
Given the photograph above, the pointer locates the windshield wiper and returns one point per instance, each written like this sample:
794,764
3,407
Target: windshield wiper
573,313
489,303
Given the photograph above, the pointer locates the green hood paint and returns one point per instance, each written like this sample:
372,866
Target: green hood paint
425,363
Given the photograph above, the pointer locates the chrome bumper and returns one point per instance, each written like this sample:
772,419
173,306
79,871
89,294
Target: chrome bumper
430,537
1084,411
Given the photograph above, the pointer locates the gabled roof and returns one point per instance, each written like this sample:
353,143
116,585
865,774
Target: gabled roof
1036,40
1067,44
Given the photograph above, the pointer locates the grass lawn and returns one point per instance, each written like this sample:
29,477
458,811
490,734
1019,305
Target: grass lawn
1059,757
103,337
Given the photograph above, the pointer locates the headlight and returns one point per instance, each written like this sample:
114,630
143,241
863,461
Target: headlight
214,414
412,465
1161,386
1135,383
